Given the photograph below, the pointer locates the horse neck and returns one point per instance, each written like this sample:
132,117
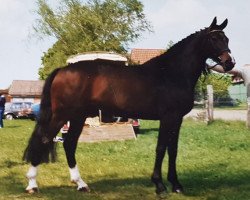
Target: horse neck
186,61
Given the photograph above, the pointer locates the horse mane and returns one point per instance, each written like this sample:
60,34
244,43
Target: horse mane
172,51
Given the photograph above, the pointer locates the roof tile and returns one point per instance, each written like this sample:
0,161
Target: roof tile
26,88
140,56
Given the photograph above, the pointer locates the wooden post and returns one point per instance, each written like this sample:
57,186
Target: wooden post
248,107
210,103
100,116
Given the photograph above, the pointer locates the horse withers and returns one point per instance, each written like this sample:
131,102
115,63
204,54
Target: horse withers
164,86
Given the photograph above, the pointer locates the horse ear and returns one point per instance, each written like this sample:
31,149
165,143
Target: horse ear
214,22
223,25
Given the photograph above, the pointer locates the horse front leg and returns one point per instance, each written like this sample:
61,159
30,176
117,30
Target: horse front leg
70,145
157,173
173,137
168,138
160,154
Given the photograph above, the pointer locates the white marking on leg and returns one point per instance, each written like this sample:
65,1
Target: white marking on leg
75,177
31,175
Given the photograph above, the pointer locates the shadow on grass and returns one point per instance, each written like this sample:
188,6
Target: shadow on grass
148,131
200,183
9,164
197,183
12,126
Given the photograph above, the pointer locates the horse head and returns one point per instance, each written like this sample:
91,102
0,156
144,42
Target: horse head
217,45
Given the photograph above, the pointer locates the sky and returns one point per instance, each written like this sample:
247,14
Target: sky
172,20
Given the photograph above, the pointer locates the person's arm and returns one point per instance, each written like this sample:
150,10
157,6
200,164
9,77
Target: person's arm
236,73
212,65
218,68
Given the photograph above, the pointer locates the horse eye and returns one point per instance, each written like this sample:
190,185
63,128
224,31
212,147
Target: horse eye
213,38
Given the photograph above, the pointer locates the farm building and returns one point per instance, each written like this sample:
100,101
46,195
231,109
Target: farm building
25,90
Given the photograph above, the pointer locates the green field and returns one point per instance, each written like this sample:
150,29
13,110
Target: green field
213,164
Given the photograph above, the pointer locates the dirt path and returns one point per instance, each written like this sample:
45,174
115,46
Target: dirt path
222,114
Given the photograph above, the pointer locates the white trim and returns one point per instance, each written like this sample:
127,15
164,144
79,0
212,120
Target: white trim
75,177
31,175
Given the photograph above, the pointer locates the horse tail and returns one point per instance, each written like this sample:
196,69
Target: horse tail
42,149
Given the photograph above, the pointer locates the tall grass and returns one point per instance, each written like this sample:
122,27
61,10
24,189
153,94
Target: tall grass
213,164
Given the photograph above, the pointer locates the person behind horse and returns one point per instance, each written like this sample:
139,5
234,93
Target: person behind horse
240,73
2,107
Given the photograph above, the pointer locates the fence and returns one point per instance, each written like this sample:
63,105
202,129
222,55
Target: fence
236,99
238,92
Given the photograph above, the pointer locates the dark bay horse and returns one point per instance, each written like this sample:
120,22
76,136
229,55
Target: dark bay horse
164,86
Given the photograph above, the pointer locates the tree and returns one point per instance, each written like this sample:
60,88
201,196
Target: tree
98,25
219,82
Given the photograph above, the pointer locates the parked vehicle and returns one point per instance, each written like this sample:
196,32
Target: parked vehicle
16,110
226,101
35,109
136,125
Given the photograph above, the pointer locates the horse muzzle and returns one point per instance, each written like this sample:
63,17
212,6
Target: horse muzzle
226,60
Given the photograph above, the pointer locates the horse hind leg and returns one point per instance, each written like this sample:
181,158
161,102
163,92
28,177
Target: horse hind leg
40,146
70,144
32,184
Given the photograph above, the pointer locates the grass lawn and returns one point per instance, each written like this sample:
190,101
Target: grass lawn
213,164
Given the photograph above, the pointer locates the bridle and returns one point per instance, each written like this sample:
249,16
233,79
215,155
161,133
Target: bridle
216,54
215,31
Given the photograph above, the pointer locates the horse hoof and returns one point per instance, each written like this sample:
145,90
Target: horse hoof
84,189
32,190
178,190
